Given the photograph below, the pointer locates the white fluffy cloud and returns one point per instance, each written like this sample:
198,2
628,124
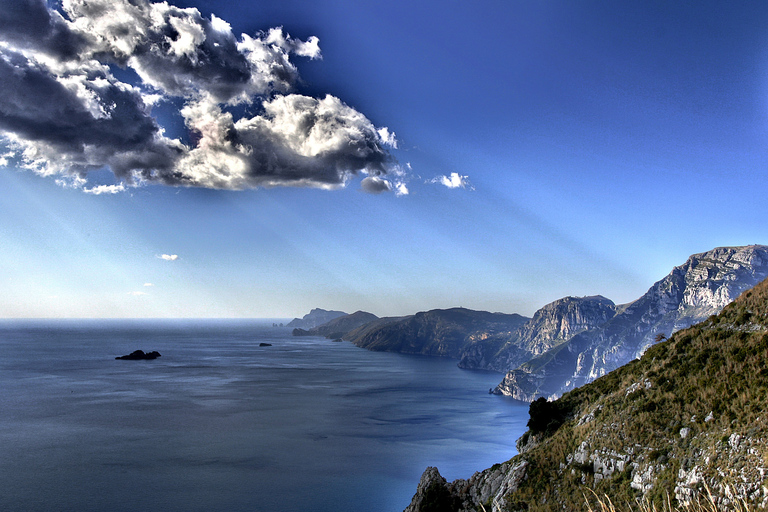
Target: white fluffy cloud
105,189
64,112
169,257
455,180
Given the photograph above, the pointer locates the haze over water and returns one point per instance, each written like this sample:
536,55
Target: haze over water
220,423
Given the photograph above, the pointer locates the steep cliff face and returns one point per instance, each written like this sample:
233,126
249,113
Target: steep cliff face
552,325
559,321
685,420
440,332
702,286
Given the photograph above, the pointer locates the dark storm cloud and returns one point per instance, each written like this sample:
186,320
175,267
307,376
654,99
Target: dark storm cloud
78,122
29,24
63,111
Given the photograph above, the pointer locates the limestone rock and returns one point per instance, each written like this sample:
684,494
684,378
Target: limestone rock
701,287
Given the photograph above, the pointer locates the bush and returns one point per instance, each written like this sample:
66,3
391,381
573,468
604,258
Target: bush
546,416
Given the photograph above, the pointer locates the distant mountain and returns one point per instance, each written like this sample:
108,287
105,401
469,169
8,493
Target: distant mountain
338,327
702,286
685,420
439,332
550,326
314,318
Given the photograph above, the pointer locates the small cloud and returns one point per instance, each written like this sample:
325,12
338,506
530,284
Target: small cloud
148,284
169,257
401,189
455,180
387,137
105,189
375,185
137,294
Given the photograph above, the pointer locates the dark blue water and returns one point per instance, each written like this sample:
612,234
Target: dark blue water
221,424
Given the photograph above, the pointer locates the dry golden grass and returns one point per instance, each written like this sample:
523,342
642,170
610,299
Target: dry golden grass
703,503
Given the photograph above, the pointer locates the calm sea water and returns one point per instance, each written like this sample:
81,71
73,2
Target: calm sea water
219,423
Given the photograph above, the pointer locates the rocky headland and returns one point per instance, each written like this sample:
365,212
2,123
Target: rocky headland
439,332
339,326
314,318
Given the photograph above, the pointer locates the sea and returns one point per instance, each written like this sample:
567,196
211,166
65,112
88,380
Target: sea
220,423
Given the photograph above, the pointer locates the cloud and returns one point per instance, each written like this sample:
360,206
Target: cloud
455,180
298,140
375,185
169,257
148,284
137,294
105,189
64,111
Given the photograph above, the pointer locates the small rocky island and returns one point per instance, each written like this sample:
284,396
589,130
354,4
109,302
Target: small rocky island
138,355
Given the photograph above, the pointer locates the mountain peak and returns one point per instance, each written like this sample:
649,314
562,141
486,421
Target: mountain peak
690,293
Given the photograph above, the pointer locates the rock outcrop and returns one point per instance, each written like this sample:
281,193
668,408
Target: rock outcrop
701,287
434,493
138,355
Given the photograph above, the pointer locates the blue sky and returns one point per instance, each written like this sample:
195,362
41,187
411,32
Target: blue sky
596,146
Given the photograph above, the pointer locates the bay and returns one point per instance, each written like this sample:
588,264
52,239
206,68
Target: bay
219,423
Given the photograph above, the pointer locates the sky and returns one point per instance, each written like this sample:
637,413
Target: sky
253,159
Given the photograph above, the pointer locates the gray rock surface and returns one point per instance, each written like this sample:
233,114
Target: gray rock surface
701,287
552,325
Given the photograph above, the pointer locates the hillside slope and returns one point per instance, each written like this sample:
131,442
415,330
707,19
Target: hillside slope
691,412
689,294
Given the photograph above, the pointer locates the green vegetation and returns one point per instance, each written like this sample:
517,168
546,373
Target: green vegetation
694,404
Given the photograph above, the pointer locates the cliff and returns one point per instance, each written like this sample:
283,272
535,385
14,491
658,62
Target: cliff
552,325
688,416
690,293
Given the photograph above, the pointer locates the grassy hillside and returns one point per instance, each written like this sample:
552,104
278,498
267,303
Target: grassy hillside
692,412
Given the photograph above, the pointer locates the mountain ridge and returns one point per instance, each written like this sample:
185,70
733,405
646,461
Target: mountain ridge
691,292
